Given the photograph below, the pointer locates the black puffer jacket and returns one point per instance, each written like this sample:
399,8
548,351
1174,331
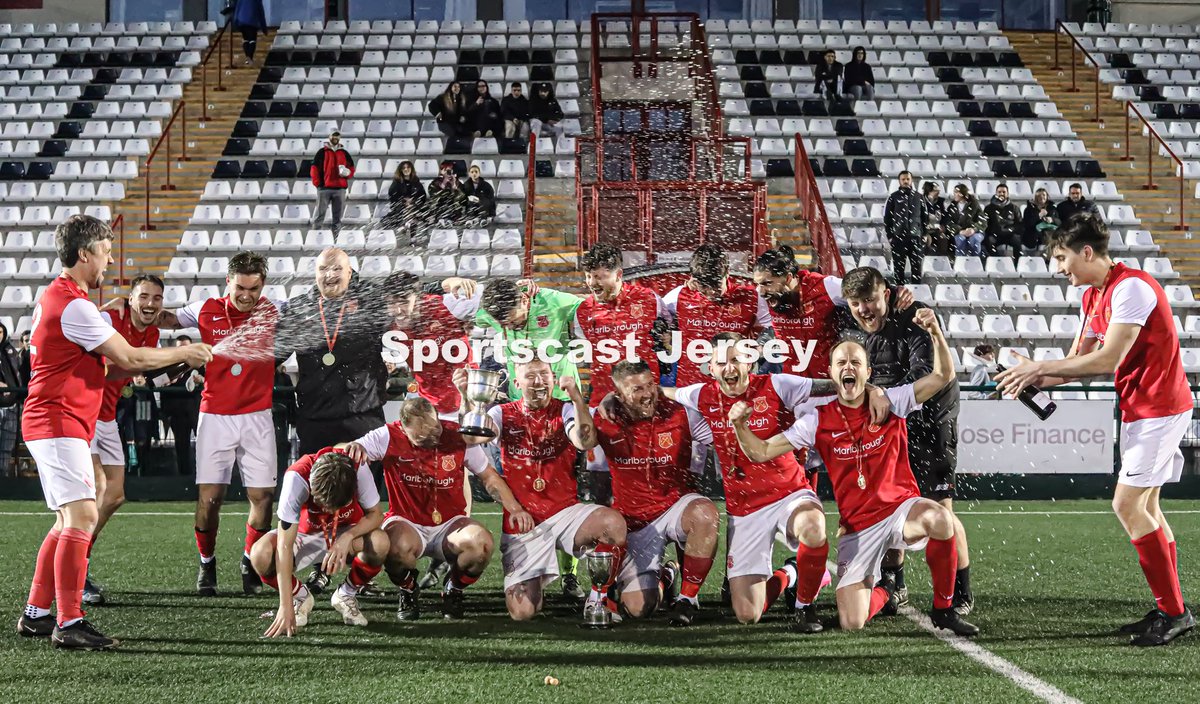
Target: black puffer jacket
10,370
902,214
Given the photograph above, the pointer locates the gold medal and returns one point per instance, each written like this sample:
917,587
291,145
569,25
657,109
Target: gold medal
328,359
127,391
437,517
862,482
539,484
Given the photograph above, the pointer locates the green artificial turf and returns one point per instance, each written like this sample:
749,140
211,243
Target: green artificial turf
1050,587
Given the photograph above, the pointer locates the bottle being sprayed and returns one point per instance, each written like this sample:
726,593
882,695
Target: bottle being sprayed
1035,400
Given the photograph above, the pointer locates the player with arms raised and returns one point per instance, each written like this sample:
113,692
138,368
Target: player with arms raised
1128,331
68,346
877,495
328,511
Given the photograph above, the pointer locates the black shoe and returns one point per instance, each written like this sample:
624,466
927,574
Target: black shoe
370,590
452,603
1141,624
81,636
206,578
36,627
317,582
251,582
668,576
92,595
683,612
805,620
435,576
789,594
408,608
1165,629
901,596
571,589
951,621
964,604
888,583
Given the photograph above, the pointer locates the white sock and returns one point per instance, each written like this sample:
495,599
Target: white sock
694,601
32,611
72,622
348,589
790,570
300,594
207,560
801,605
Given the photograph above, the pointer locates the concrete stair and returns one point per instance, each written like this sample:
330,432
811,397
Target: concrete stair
1158,209
786,226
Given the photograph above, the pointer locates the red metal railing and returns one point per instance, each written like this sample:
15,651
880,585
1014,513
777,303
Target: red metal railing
216,45
633,149
812,209
118,226
530,204
1059,29
1153,136
700,47
179,114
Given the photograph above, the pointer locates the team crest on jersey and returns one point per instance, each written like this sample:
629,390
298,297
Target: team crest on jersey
448,464
808,307
664,440
636,310
1107,313
872,428
760,404
543,321
736,310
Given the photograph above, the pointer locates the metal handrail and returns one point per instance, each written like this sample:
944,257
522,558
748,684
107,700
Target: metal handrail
530,198
118,225
1153,135
1061,28
812,209
180,114
594,60
214,46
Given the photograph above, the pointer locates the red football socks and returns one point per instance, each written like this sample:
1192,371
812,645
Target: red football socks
206,543
695,570
879,597
461,580
1174,558
41,592
252,536
361,573
810,570
70,571
273,582
1154,555
942,556
779,580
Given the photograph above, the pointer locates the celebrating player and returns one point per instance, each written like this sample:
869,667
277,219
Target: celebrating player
68,346
328,511
1128,331
876,492
802,305
521,310
648,443
108,452
538,436
423,458
235,411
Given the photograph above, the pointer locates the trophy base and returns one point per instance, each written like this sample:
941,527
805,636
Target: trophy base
596,626
478,432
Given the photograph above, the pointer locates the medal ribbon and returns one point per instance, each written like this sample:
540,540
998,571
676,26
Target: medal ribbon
857,440
330,342
330,531
533,445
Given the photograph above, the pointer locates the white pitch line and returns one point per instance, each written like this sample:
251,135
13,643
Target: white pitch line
1039,688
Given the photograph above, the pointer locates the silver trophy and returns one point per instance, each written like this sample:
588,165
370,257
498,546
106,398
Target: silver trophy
600,566
482,388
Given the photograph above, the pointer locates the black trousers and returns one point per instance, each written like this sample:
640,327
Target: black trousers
317,434
908,251
182,425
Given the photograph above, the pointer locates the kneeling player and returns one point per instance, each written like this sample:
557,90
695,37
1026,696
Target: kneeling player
877,496
328,510
423,458
648,443
538,437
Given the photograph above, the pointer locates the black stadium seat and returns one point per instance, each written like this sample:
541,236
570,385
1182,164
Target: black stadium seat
1061,168
745,56
541,56
263,91
1089,168
752,72
107,75
788,108
236,147
1033,168
1150,94
938,58
986,60
836,168
848,128
815,165
307,109
969,108
539,74
762,108
756,89
467,74
959,91
962,58
864,168
270,74
1165,111
856,147
40,171
256,168
995,108
280,109
1005,168
981,128
12,171
815,108
770,57
1010,59
518,56
283,169
780,168
325,58
949,74
795,57
254,109
227,169
246,128
53,148
992,147
68,130
1021,111
1190,111
94,91
512,146
1119,61
543,168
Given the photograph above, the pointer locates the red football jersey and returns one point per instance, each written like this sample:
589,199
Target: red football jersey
850,443
1150,381
136,338
296,504
423,480
648,460
67,380
749,486
740,310
808,315
249,391
534,445
632,312
436,323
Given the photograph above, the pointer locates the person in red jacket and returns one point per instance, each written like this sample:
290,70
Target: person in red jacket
332,169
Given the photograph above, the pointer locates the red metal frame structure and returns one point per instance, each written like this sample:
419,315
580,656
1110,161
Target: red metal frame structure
180,114
1059,29
812,209
634,151
1152,137
530,205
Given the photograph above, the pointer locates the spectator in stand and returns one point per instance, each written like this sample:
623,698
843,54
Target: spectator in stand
981,373
515,110
332,169
481,197
10,401
933,214
406,196
450,111
446,199
544,112
828,75
858,80
250,19
23,348
905,230
1003,225
1075,204
966,221
181,411
483,113
1040,215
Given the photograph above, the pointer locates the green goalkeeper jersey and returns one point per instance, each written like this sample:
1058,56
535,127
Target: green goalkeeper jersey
551,315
